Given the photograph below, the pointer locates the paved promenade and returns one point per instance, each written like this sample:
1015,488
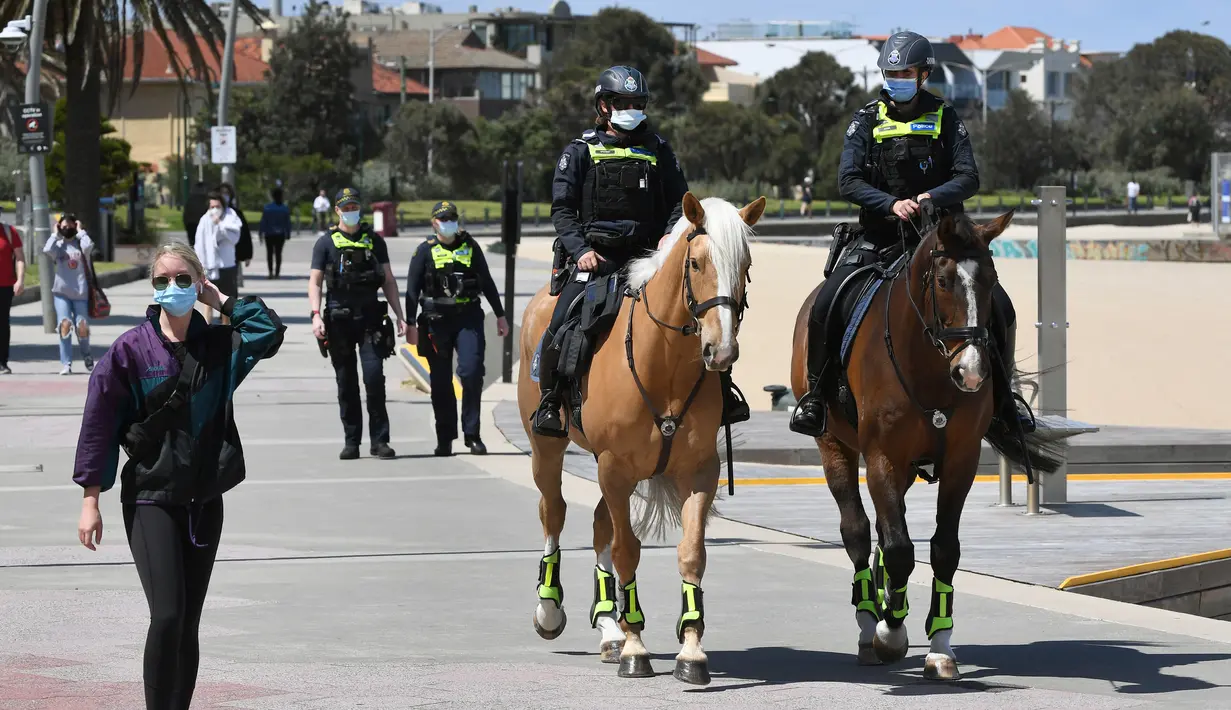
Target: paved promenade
410,583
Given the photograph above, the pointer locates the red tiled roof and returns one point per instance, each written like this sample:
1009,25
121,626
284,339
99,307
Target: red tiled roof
156,62
389,81
709,59
1005,38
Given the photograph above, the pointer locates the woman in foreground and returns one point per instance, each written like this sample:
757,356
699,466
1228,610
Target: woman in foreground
163,393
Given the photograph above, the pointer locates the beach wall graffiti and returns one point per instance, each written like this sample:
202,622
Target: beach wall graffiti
1190,250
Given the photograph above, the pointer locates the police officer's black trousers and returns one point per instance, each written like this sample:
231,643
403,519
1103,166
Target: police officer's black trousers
819,350
548,358
345,337
464,333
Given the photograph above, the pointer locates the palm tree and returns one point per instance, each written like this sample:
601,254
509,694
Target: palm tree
88,41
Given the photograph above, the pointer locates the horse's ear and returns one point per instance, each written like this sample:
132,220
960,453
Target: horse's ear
991,230
693,212
752,211
944,228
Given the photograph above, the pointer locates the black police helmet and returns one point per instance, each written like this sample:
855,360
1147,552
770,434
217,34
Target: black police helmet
905,50
621,81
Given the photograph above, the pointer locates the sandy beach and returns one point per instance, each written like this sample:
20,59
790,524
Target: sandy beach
1147,342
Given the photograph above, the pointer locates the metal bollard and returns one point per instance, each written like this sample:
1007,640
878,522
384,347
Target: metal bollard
487,216
1006,483
536,214
1032,497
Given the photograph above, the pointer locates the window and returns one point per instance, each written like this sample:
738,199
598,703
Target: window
1070,85
998,81
1053,84
508,86
518,37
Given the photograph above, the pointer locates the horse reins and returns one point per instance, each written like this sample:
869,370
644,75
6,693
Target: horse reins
669,425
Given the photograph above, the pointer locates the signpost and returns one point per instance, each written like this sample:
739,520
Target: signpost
222,142
510,234
34,129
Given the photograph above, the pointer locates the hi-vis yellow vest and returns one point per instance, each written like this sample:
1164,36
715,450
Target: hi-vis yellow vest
925,126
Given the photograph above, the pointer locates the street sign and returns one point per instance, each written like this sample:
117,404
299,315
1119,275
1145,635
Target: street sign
222,144
198,156
34,130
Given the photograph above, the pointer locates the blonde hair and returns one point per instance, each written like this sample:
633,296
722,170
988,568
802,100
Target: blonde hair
182,252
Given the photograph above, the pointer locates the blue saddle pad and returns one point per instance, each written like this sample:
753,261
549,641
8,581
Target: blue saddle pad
852,325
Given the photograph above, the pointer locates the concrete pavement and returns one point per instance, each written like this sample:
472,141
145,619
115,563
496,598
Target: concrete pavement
410,583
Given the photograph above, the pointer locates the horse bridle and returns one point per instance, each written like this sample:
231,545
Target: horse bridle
668,426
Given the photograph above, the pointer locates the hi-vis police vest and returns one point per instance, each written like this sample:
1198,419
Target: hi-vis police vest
451,280
907,155
622,187
356,268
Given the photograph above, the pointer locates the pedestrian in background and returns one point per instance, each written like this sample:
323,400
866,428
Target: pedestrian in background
164,391
321,207
70,248
12,284
243,247
217,234
275,229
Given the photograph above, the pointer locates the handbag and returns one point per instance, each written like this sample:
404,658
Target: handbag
99,306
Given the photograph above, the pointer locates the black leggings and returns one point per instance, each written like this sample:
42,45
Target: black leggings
273,253
174,550
6,304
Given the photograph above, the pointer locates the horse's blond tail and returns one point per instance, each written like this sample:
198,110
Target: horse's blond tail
661,508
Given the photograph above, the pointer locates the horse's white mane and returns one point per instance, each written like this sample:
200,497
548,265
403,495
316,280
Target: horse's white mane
728,242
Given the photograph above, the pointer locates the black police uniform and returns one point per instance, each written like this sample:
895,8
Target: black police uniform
913,156
447,279
354,267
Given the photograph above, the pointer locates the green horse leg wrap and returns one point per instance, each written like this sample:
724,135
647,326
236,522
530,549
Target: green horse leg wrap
549,578
896,606
940,615
864,593
604,595
693,612
881,578
632,605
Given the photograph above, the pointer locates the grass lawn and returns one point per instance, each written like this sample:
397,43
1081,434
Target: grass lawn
100,267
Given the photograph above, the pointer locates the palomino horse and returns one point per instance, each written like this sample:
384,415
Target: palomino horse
916,370
652,412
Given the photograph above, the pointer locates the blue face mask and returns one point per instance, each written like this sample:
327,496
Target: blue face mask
350,219
627,120
901,89
448,229
176,301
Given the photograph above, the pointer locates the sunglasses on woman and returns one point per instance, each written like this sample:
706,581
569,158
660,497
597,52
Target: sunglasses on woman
182,280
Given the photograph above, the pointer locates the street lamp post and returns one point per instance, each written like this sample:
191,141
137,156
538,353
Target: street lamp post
15,35
224,94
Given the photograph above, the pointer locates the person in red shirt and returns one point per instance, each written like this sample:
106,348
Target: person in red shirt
12,283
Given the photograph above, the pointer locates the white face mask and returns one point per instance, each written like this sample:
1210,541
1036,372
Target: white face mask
627,120
448,230
215,211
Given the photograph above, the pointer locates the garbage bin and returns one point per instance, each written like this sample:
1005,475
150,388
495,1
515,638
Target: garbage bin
385,219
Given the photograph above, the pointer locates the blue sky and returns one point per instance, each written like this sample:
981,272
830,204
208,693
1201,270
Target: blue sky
1101,25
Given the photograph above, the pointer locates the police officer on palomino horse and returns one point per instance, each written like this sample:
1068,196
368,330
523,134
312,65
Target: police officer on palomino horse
447,275
906,148
353,261
615,194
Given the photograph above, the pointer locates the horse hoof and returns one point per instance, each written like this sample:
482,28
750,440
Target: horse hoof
609,652
867,655
692,672
890,645
550,634
940,667
635,667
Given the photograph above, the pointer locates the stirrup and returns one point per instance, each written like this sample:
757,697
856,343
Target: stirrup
734,405
813,425
549,406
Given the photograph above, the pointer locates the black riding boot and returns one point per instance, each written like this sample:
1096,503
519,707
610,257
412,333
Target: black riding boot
734,406
546,420
1010,405
809,416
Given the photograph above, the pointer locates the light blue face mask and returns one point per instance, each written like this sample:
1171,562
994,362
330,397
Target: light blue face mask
448,229
901,89
350,219
176,301
627,120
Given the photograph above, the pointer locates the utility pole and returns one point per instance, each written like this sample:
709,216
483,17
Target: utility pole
431,87
402,74
224,94
38,172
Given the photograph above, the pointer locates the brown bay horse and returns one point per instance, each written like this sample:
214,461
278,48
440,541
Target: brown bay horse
651,414
916,372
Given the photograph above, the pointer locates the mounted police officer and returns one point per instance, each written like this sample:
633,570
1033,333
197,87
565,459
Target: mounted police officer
905,147
353,262
615,194
447,274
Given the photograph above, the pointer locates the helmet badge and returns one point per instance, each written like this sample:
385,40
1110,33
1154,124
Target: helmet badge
630,84
894,57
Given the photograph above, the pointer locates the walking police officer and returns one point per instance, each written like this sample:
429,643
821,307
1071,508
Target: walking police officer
905,147
353,261
447,274
617,190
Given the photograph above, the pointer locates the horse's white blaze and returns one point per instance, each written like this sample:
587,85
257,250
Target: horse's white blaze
970,360
727,321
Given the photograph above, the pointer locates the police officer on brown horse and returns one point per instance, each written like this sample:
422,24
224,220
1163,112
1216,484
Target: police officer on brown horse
616,192
904,151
